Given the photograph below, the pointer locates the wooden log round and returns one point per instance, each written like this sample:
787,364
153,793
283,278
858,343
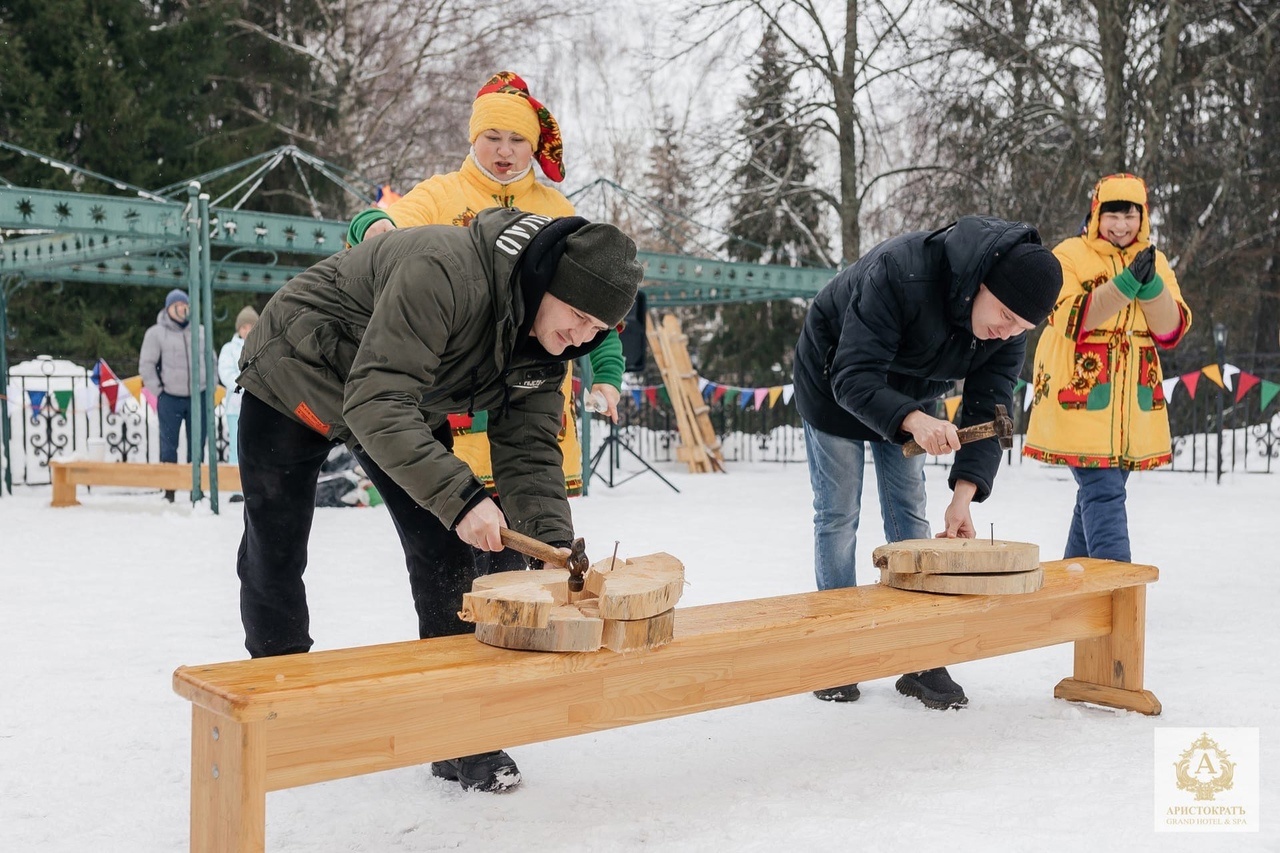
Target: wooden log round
956,556
626,605
568,630
628,635
1001,583
637,588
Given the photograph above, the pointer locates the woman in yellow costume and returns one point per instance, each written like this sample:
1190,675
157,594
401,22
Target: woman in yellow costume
1098,402
508,130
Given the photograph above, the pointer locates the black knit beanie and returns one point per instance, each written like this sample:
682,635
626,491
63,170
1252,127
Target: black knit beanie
1027,280
598,273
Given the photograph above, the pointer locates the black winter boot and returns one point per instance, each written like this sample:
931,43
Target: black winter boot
168,495
487,771
847,693
934,688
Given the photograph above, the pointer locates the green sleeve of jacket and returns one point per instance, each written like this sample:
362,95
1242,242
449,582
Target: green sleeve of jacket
607,362
528,465
394,368
361,223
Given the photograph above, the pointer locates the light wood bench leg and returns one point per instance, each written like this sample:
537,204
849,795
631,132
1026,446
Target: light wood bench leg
1109,670
228,785
64,488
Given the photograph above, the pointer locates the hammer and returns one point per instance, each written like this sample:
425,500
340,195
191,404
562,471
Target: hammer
1001,428
577,562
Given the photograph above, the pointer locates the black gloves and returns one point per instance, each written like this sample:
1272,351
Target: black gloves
1144,265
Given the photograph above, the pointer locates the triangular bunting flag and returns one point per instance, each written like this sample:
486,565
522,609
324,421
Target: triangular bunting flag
761,395
636,396
720,391
708,390
1228,371
774,393
1247,381
730,395
37,400
1021,384
1168,385
745,397
787,392
64,399
1269,391
108,383
664,396
1213,374
952,405
703,383
651,394
1191,380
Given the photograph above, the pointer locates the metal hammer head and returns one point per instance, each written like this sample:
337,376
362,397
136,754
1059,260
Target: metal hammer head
577,564
1003,425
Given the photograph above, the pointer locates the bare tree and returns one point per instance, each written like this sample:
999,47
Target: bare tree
844,54
1038,98
386,85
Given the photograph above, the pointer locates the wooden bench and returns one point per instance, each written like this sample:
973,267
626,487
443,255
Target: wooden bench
148,475
272,723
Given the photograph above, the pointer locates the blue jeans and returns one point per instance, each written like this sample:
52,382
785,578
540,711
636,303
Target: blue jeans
1099,522
835,473
171,413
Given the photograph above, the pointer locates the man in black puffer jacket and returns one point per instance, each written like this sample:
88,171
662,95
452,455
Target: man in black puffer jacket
374,347
881,343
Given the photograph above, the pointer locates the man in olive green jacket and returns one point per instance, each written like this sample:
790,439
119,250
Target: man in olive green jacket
373,347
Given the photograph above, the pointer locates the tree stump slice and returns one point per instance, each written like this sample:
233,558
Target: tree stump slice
555,581
525,605
1001,583
627,608
568,630
638,588
628,635
956,557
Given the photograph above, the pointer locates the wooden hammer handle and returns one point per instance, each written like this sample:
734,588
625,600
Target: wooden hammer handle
968,434
531,547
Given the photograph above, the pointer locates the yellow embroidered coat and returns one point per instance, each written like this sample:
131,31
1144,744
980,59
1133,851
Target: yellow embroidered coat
1098,395
455,199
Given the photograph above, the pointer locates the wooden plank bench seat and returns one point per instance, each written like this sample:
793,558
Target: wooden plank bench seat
272,723
148,475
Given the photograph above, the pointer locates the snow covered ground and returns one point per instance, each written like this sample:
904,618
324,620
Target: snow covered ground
100,603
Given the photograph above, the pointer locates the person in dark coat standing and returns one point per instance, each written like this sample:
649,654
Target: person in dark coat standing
374,347
881,343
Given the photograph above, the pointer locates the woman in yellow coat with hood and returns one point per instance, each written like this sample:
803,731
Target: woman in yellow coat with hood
1098,403
509,130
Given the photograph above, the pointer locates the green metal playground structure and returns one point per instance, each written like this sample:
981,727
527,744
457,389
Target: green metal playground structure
178,237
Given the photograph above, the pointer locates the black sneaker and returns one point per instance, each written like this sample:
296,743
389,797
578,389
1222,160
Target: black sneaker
934,688
488,771
237,498
847,693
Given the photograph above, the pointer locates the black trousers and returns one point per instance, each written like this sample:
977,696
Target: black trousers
280,462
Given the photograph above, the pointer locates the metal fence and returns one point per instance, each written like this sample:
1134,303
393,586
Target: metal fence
63,426
50,417
1250,431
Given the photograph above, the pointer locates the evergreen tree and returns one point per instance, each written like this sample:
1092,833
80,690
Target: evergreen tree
671,191
775,218
133,91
